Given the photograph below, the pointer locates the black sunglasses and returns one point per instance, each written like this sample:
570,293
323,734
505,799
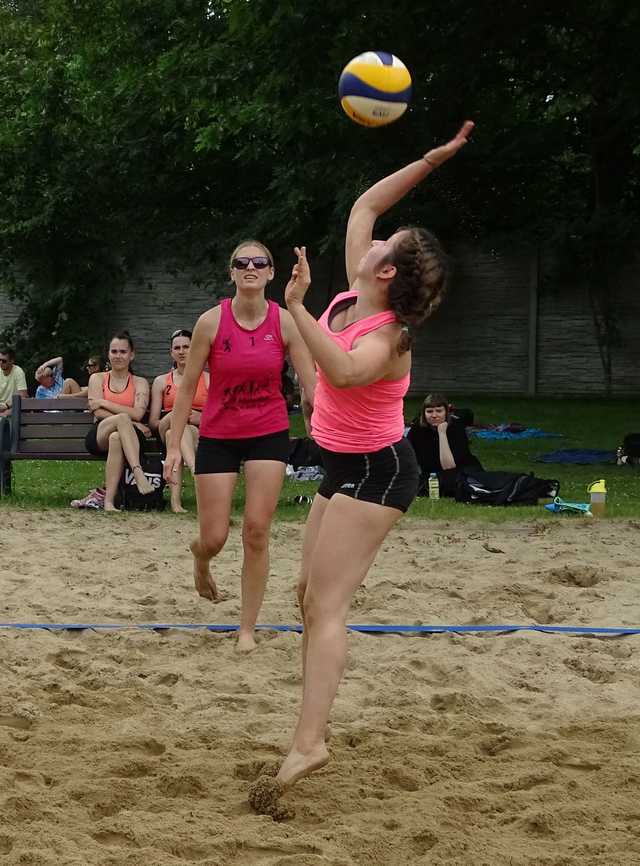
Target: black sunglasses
259,262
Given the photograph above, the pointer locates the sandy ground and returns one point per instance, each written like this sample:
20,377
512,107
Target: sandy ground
134,747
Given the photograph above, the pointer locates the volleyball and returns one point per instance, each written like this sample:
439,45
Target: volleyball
375,88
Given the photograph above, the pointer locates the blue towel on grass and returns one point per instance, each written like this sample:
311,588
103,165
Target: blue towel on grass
581,456
527,433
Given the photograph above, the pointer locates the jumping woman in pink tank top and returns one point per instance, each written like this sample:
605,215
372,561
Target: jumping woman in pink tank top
244,340
361,347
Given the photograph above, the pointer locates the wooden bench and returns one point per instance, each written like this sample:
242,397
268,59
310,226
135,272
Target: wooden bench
46,430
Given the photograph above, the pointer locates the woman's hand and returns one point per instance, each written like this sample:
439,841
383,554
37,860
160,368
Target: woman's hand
300,281
442,428
146,431
439,155
307,412
171,465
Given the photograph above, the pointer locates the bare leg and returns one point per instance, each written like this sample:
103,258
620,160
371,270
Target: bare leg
188,446
71,388
214,494
131,448
350,535
311,531
176,484
263,485
113,470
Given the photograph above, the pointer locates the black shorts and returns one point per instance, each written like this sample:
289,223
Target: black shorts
387,477
91,441
225,455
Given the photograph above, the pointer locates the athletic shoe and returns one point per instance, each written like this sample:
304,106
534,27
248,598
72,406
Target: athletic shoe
90,500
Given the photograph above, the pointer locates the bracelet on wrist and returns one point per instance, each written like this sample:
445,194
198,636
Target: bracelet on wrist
428,161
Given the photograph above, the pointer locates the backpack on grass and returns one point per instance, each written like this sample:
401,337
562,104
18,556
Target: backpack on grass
130,498
629,452
504,488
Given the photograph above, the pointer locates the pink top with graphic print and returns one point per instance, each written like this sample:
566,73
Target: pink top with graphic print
245,386
364,418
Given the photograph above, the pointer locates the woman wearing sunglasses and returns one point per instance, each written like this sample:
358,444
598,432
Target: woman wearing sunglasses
163,396
361,346
244,340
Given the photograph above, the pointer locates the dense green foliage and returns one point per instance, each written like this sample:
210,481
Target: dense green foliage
128,126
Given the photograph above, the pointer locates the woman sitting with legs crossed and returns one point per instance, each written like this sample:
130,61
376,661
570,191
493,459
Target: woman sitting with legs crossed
119,401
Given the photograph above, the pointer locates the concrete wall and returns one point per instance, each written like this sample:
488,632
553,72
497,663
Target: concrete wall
503,329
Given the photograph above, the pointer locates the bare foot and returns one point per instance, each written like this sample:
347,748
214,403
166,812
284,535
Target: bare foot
204,582
142,482
109,506
178,509
246,642
298,765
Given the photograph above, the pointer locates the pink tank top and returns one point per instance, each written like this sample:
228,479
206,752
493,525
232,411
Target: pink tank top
245,379
363,418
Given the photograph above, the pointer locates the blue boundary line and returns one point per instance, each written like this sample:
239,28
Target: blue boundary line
365,629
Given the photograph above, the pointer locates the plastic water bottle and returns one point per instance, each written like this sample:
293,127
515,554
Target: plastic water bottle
598,492
434,486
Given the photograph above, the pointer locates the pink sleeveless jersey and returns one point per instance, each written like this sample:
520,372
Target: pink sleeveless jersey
245,386
364,418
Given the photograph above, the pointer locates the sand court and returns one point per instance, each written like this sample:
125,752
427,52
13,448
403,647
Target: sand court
132,747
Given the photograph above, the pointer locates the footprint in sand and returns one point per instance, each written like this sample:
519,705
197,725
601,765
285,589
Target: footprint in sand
576,575
111,839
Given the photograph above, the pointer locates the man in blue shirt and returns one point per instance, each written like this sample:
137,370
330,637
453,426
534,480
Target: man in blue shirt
51,382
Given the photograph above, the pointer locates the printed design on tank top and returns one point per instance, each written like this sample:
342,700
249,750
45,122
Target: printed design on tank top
252,392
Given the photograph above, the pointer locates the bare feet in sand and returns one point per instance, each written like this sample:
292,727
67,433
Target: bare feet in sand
109,506
246,642
298,765
178,509
142,482
204,582
265,793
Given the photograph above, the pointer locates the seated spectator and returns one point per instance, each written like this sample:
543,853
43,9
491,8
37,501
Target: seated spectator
119,400
441,445
12,380
93,365
163,395
52,384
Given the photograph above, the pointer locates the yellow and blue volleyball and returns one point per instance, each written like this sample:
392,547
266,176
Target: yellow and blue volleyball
375,88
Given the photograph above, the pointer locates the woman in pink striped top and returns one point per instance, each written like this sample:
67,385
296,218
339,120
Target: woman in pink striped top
361,347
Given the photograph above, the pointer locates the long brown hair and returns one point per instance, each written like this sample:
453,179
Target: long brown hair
420,283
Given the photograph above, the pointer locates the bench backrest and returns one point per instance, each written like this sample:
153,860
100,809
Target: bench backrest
50,427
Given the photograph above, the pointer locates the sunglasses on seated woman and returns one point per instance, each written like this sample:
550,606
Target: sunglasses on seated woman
259,262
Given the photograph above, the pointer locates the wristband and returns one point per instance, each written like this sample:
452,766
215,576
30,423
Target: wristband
428,161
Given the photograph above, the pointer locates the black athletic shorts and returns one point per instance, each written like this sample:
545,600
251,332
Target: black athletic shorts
387,477
225,455
91,441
